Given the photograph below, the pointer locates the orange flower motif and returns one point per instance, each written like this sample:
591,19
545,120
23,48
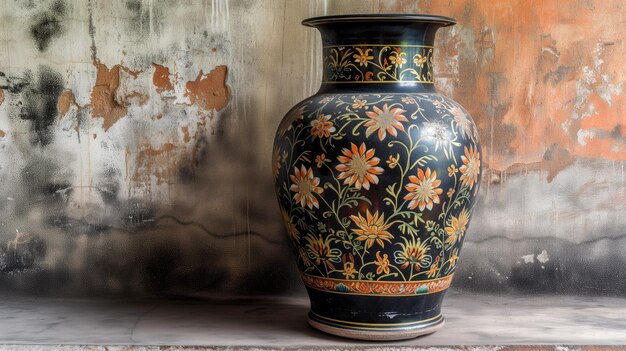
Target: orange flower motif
322,127
348,270
454,258
452,170
291,228
382,263
413,253
305,186
398,58
372,228
357,104
304,257
419,60
423,190
471,166
432,271
326,100
450,192
457,226
319,160
359,167
363,57
319,250
393,161
385,120
408,100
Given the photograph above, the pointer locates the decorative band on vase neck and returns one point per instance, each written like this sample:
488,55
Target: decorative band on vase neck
378,63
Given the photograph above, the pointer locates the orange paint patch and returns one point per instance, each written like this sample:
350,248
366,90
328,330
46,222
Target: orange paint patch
209,91
543,79
161,78
66,100
2,133
103,101
186,136
64,103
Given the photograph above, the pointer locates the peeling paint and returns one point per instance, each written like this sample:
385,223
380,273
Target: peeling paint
562,81
209,91
161,78
66,100
186,136
104,102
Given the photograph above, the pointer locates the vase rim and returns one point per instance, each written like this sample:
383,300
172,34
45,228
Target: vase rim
386,17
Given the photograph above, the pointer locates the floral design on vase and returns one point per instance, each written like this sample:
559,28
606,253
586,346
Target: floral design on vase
371,62
376,177
330,200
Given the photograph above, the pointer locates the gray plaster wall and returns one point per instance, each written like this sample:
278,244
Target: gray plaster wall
136,138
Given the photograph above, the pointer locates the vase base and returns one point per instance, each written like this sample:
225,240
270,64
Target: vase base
375,332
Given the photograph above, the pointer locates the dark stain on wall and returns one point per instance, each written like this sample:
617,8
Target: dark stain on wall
12,85
24,253
48,25
143,20
137,214
562,273
109,186
45,183
40,103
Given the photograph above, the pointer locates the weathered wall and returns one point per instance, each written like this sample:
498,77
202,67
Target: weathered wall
136,135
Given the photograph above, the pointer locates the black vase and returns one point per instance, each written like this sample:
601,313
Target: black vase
376,176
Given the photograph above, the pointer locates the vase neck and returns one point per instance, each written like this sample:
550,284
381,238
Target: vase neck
378,52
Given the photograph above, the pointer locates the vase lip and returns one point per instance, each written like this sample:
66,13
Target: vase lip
444,21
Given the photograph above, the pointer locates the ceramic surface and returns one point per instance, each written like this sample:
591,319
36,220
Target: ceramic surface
376,176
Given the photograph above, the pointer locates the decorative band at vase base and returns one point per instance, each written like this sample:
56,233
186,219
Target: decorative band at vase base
374,331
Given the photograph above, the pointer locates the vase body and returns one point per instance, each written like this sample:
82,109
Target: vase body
376,176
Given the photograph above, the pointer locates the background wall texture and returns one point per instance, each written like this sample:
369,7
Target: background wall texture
135,141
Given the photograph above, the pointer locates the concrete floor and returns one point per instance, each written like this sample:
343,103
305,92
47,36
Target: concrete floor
269,324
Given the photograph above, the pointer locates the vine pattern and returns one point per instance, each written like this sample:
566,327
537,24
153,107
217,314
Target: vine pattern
378,63
377,188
